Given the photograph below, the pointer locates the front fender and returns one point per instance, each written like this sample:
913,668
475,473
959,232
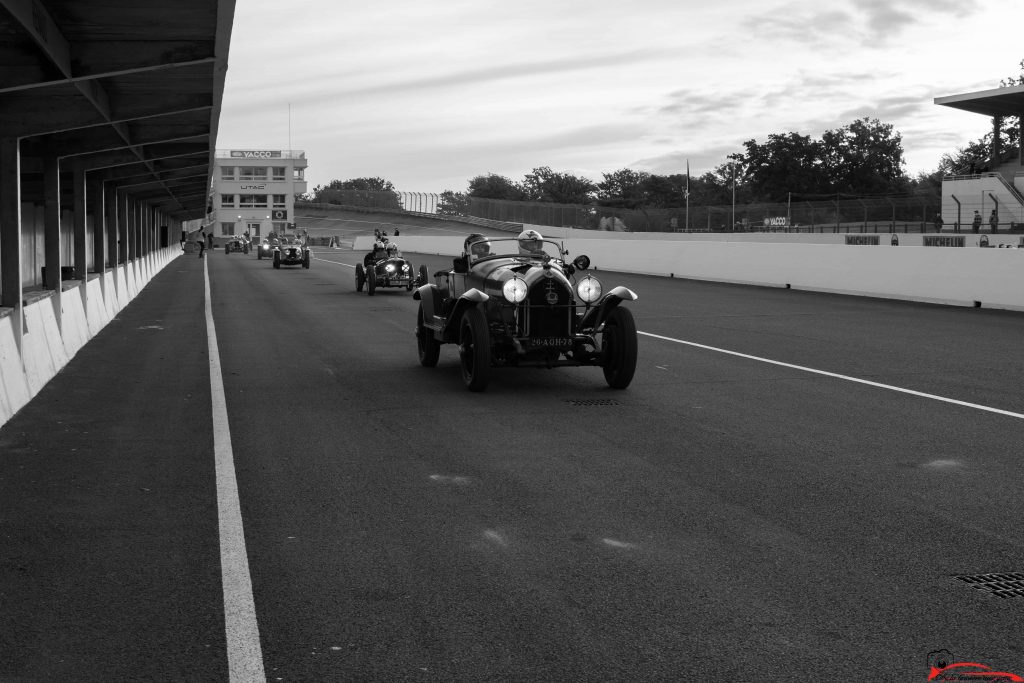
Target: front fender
598,313
471,298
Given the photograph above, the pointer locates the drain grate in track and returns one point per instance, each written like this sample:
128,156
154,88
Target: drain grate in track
592,402
1009,585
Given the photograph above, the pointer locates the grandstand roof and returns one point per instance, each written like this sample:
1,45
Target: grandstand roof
130,90
997,102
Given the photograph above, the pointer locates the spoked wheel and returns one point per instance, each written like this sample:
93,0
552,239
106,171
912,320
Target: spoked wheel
429,348
371,281
619,348
475,349
360,277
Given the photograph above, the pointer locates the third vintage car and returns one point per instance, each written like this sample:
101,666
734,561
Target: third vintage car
518,302
385,267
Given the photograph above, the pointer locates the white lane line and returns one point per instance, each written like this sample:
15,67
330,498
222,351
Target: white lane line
825,373
245,658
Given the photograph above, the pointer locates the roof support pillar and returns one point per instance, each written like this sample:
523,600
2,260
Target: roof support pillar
10,233
80,247
51,221
99,223
997,143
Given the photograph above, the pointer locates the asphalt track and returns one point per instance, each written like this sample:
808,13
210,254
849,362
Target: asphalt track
734,514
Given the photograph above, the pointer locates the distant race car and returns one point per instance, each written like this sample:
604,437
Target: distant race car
266,248
236,243
385,268
291,252
516,302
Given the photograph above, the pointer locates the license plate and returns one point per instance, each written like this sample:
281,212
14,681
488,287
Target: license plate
551,342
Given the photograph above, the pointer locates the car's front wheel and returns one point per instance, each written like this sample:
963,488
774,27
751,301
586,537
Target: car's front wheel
475,349
305,261
619,348
423,276
428,347
277,259
360,277
371,281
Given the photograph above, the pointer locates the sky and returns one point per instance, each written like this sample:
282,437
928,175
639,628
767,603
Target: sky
430,94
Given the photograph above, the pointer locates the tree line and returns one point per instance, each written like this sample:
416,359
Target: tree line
864,157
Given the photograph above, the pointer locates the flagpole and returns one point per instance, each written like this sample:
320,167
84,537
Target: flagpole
687,195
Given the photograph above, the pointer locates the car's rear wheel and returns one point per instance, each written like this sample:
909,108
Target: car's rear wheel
371,281
423,276
277,259
428,347
619,348
360,277
475,349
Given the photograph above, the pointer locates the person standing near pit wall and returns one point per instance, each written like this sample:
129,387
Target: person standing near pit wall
976,223
993,221
938,222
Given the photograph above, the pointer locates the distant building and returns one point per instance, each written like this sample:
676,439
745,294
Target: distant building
254,190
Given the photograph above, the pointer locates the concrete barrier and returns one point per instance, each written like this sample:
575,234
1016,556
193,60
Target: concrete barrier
959,276
55,326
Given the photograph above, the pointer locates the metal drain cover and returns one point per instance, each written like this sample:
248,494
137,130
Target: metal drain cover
592,402
1009,585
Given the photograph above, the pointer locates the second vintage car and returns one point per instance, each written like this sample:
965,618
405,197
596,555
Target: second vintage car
518,302
291,251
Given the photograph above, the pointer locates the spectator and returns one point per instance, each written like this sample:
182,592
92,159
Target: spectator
202,243
993,221
938,222
976,223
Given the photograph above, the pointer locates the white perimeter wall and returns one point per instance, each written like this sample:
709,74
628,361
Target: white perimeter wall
56,326
959,276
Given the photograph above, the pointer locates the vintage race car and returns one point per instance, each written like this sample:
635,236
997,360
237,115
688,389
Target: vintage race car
291,252
236,243
508,306
266,248
392,271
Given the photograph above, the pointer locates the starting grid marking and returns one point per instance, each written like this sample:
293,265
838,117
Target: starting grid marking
834,375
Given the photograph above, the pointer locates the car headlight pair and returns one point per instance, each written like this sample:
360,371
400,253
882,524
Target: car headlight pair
589,289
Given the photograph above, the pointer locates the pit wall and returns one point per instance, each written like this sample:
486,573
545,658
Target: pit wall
956,276
55,326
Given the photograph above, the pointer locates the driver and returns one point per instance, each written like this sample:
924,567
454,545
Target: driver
531,243
477,246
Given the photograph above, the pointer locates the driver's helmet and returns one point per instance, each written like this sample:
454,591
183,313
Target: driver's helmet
392,247
480,249
471,240
530,242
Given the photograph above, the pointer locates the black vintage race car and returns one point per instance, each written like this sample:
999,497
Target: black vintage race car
385,268
518,302
236,243
291,252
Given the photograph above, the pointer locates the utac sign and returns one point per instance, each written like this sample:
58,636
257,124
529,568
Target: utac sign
256,153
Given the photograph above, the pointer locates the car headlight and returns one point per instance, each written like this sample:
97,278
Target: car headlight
514,290
390,268
589,289
405,267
